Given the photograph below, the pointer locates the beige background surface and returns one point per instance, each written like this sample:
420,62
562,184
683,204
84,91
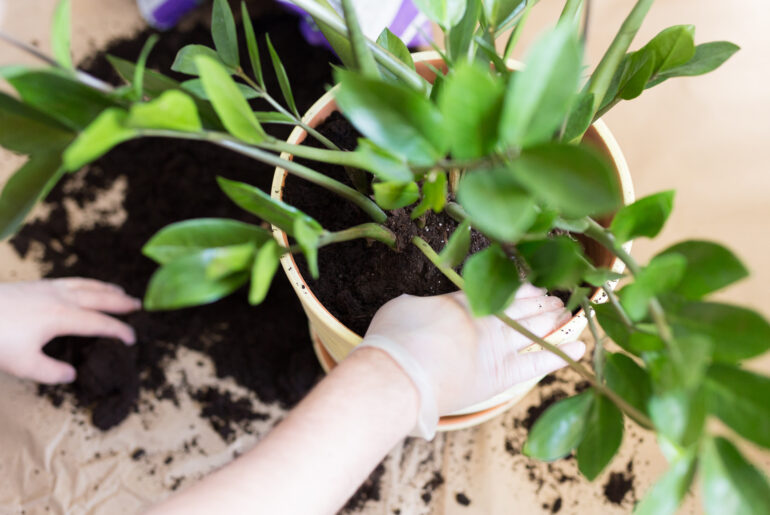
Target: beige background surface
705,137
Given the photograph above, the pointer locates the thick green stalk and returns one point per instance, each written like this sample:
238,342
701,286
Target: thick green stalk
598,340
337,157
453,276
372,231
571,10
602,76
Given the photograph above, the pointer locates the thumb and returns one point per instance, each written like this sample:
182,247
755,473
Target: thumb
47,370
529,365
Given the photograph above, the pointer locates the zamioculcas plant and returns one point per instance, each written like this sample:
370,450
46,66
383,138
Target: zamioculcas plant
501,152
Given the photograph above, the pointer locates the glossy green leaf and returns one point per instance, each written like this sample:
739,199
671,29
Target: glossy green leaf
183,283
496,203
26,187
575,180
645,217
446,13
554,262
580,117
626,378
560,429
60,34
471,99
186,57
539,96
460,37
362,55
672,47
27,130
434,194
395,46
498,11
307,235
679,415
283,78
395,117
710,267
730,484
599,276
228,102
602,437
172,110
230,260
261,204
273,117
543,224
667,493
662,274
253,48
395,195
491,281
577,297
613,325
191,236
381,163
106,132
195,86
224,34
262,273
708,57
740,399
457,247
638,68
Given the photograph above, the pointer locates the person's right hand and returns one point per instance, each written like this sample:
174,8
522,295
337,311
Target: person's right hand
34,312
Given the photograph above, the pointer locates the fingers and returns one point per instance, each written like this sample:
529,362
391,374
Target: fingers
527,291
531,306
543,323
47,370
108,301
529,365
81,283
80,322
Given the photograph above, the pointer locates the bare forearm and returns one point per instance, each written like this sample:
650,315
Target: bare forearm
315,459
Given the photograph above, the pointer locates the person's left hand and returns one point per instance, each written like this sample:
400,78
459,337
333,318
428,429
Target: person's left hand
34,312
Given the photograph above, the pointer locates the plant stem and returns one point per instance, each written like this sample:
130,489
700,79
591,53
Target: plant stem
616,304
370,230
517,31
337,157
571,10
453,276
598,340
456,211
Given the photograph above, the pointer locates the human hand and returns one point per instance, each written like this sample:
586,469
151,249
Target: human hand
32,313
456,360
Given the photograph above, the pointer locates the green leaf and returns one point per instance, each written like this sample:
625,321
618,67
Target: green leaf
673,47
740,399
172,110
599,276
735,333
273,117
283,78
708,57
223,32
307,236
446,13
262,273
393,116
253,47
27,130
395,46
560,429
580,117
539,96
679,415
730,484
555,262
496,203
637,69
577,181
613,324
710,267
470,101
661,275
602,437
491,281
228,102
364,59
543,224
645,217
577,296
141,65
184,282
191,236
382,163
460,36
434,194
106,132
628,380
186,57
28,185
498,11
195,86
667,493
395,195
458,246
230,260
60,34
261,204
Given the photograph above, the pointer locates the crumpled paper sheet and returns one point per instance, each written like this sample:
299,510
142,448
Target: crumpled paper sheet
53,461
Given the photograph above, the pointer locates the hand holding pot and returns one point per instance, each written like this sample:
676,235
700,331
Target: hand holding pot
456,360
34,312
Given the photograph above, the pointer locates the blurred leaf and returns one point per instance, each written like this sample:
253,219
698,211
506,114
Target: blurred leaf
230,260
253,47
460,36
262,273
195,86
496,203
283,78
191,236
395,195
393,116
470,101
577,296
27,130
628,380
645,217
598,276
662,274
106,132
555,262
679,415
224,34
740,399
446,13
577,181
543,224
183,282
364,59
60,34
708,57
458,246
395,46
273,117
580,117
307,235
602,438
560,429
172,110
540,95
613,324
491,281
667,493
498,11
710,267
730,484
185,59
382,163
434,194
228,102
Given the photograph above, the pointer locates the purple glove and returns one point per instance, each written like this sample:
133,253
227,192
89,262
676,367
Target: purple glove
165,14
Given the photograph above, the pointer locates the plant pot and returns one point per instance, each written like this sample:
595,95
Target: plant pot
333,341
